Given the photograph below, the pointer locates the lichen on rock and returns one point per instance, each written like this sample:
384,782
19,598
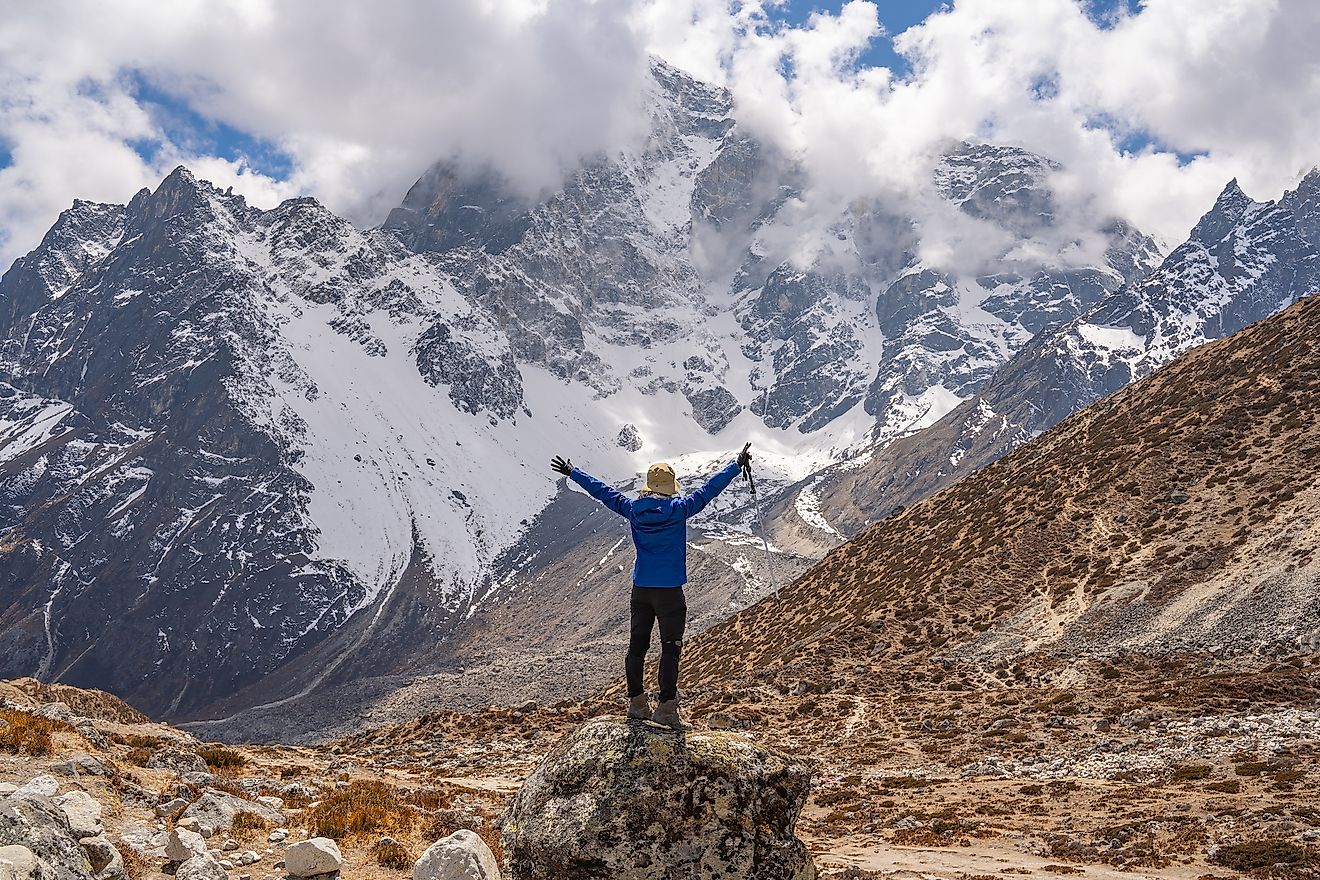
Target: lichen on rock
633,801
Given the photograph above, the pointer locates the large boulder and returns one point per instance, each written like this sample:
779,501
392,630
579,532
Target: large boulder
309,858
633,801
37,823
460,856
216,809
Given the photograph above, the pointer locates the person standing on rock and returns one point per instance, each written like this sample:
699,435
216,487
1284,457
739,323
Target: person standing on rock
658,517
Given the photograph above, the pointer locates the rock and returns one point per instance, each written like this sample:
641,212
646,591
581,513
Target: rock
202,866
94,736
190,823
104,857
55,712
39,786
217,809
7,788
178,760
249,857
278,835
91,765
320,855
633,801
460,856
38,824
20,863
83,813
276,804
169,808
183,844
146,842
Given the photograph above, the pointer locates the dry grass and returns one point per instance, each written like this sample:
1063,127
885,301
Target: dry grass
392,854
135,866
362,809
138,756
222,758
245,821
1254,854
136,740
25,734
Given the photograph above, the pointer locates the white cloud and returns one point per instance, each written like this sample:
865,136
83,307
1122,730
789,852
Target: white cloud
362,97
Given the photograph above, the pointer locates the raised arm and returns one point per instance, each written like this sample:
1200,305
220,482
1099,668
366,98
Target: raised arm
602,492
694,502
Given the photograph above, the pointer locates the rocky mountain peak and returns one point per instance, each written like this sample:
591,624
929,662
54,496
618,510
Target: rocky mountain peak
1228,210
179,194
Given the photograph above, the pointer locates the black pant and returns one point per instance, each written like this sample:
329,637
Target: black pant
649,604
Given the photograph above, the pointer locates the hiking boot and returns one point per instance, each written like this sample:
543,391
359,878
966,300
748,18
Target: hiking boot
639,707
666,713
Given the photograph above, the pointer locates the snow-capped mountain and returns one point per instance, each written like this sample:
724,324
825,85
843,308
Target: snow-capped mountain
245,446
1243,261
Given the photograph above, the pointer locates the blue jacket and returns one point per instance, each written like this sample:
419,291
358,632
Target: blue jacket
659,525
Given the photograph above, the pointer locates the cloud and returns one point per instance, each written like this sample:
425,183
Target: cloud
360,98
1149,113
1121,105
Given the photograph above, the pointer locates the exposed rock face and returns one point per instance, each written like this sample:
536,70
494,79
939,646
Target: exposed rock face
631,801
1243,262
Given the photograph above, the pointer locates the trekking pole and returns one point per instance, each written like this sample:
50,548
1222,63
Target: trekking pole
760,519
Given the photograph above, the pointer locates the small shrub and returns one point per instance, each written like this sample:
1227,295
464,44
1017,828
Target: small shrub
390,853
1191,772
135,866
136,741
245,821
428,799
221,758
1255,854
360,809
138,756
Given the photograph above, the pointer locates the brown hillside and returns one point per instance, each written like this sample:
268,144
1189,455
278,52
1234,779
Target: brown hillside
1178,515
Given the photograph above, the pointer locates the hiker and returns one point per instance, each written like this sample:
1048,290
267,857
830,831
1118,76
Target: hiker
658,517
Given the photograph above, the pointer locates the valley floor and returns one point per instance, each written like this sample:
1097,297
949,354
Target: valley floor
1147,775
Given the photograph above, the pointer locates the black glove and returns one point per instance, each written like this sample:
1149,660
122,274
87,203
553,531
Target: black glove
561,465
745,457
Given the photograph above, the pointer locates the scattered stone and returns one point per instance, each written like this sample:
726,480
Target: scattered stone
278,835
190,823
55,712
169,808
146,842
701,803
217,809
250,857
104,857
183,844
176,759
202,866
320,855
460,856
39,786
93,736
